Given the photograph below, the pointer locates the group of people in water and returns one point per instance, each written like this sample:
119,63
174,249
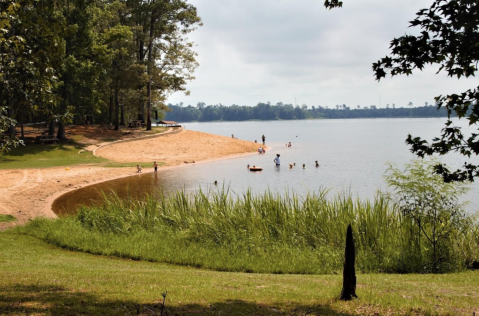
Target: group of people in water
261,150
277,159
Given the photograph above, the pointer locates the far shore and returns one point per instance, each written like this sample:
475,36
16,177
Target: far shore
29,193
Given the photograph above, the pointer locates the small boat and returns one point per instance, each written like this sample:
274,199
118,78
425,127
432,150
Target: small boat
254,168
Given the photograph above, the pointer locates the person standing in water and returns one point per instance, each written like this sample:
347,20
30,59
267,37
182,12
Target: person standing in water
276,160
264,139
155,165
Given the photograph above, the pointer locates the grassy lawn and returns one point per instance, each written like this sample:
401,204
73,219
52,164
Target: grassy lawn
50,155
53,155
44,156
39,279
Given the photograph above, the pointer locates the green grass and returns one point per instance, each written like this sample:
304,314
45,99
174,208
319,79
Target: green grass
39,279
50,155
264,234
55,155
44,156
7,218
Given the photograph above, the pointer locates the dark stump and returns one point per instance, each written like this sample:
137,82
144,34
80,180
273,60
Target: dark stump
349,272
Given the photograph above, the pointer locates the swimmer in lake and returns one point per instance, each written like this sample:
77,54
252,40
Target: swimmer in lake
276,160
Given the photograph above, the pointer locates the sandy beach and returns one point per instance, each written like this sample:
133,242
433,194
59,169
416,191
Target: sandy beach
28,193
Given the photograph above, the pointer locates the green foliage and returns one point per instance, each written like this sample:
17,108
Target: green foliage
7,142
437,217
267,233
330,4
31,49
90,60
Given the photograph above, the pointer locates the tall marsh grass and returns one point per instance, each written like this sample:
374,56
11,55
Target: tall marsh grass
269,233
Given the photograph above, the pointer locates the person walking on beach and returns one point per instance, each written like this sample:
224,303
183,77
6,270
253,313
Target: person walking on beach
264,139
138,169
155,165
276,160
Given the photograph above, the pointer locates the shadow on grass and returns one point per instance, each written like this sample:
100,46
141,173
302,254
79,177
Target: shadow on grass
34,149
54,300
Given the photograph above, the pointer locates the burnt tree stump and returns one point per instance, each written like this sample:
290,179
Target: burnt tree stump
349,272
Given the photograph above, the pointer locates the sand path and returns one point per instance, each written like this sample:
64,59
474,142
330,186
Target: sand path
28,193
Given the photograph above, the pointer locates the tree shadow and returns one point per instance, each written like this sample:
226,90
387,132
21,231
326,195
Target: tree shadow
32,149
56,300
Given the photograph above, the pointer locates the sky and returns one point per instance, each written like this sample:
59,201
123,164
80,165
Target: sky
298,52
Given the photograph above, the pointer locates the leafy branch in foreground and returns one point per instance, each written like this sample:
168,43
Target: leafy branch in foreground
449,38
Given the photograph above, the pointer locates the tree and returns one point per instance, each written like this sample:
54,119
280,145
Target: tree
161,29
31,50
433,207
448,38
80,71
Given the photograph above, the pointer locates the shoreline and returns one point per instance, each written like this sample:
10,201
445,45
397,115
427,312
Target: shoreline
51,199
30,193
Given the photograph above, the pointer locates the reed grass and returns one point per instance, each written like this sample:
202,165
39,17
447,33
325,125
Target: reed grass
266,233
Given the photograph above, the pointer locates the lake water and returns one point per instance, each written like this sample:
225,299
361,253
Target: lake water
352,155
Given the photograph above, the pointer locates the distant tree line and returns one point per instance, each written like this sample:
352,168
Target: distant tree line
280,111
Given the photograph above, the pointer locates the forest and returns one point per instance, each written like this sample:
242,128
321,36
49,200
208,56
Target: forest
280,111
92,61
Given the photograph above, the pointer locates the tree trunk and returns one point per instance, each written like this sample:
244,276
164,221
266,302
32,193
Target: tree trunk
148,108
51,128
21,126
150,65
110,109
61,131
349,272
117,111
122,111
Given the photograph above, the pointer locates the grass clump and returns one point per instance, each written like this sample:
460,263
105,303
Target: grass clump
268,233
7,218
